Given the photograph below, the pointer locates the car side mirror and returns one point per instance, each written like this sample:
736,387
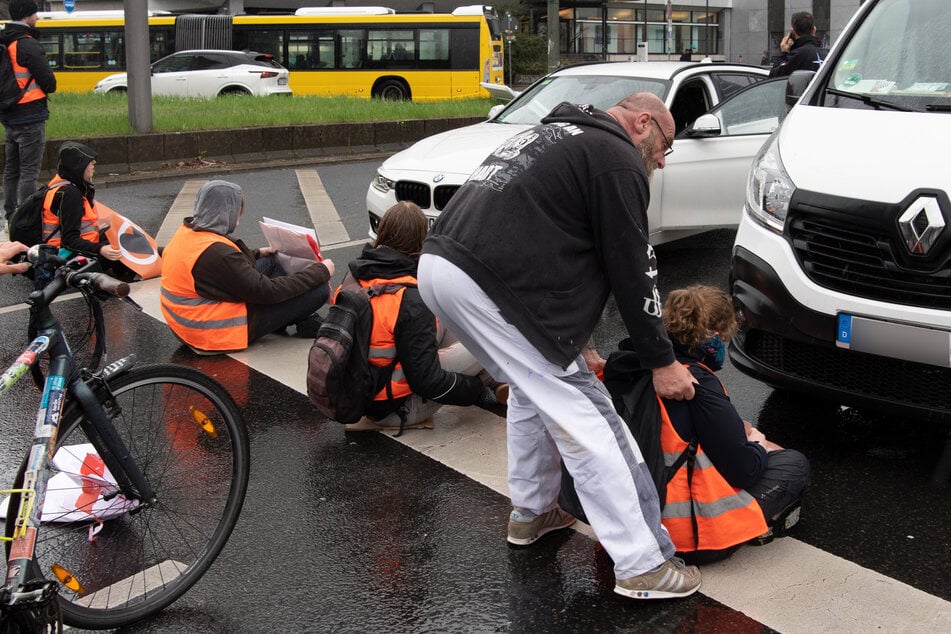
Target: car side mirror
705,125
796,85
495,110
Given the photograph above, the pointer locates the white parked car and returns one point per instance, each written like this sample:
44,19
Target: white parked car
209,73
701,187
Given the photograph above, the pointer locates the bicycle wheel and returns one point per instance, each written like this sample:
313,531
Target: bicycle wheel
187,436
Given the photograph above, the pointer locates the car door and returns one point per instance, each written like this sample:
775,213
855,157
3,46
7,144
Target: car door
169,75
704,181
208,73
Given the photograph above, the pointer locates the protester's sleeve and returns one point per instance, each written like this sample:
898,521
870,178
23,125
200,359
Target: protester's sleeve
30,53
68,205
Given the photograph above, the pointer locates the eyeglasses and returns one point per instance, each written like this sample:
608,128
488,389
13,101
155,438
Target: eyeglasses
668,142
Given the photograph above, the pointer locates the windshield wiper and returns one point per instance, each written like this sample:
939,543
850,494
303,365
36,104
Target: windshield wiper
869,101
938,107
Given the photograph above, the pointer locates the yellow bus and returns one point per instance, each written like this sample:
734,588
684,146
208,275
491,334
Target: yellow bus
417,56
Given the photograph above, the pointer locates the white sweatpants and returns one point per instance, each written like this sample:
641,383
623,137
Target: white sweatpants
555,413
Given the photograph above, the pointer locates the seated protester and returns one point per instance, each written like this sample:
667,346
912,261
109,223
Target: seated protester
743,487
70,220
432,368
219,296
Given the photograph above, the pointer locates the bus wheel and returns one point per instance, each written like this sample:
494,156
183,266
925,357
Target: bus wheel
392,89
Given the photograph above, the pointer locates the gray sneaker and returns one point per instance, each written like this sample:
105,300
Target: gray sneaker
524,530
669,580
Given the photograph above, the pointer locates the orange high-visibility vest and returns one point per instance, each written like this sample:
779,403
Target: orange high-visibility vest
725,516
31,90
206,324
386,308
88,225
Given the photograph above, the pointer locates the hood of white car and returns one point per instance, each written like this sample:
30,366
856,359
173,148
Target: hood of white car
878,155
454,154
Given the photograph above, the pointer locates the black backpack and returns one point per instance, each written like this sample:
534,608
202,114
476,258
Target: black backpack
10,91
632,390
26,222
340,382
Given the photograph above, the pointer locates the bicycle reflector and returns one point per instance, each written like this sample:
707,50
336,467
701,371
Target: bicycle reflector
204,421
67,579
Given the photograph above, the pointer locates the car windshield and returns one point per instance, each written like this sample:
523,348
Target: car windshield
601,91
899,58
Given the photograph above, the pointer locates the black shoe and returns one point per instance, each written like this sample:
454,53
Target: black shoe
307,328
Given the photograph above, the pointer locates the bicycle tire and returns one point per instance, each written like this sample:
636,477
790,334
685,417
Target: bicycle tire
141,561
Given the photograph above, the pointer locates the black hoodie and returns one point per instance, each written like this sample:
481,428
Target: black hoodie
415,335
30,54
68,202
553,222
802,55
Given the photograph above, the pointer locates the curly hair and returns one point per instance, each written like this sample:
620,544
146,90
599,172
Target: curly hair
691,315
403,228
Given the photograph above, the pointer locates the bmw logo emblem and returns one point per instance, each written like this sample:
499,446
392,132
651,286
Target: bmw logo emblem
438,178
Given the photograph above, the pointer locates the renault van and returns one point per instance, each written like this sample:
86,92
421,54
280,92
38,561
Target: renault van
841,268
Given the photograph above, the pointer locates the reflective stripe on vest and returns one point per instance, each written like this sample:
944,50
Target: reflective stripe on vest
725,515
88,224
386,308
202,323
31,90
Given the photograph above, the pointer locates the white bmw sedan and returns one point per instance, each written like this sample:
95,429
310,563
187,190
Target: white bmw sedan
723,114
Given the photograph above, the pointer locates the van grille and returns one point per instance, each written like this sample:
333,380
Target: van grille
863,256
863,375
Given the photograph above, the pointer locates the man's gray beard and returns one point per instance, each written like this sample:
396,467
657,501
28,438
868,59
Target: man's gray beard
647,153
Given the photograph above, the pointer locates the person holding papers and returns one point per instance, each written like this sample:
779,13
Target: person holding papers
218,295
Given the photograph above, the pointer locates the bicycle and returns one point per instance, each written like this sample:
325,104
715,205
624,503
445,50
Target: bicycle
152,462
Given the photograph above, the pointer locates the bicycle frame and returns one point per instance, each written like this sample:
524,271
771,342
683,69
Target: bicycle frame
60,384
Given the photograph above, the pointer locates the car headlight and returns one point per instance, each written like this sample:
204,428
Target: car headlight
769,188
382,183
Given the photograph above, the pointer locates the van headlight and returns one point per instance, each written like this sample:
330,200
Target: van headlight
382,183
769,189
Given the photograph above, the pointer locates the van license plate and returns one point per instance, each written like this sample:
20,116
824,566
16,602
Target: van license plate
893,339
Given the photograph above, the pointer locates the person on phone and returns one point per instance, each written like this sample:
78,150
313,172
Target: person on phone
800,48
218,295
742,487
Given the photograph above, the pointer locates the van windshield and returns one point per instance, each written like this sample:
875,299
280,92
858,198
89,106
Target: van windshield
900,54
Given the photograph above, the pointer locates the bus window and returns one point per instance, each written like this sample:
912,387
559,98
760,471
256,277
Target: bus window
114,49
326,50
82,50
434,48
269,42
51,47
309,50
353,46
391,46
161,43
465,49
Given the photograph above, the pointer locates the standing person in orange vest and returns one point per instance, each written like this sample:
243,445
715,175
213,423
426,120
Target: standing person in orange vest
25,123
742,486
218,295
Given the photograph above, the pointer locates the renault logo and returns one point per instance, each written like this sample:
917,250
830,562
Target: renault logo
921,224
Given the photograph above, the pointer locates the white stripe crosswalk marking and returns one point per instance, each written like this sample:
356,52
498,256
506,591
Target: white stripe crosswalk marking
323,213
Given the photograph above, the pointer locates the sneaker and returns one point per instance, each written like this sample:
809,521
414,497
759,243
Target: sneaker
525,528
669,580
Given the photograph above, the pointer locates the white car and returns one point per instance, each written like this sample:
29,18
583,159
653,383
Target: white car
703,184
210,73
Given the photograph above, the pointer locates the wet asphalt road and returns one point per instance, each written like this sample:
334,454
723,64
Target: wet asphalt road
358,533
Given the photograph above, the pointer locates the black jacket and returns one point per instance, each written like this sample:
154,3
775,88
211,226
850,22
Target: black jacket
804,54
415,336
67,203
553,222
31,55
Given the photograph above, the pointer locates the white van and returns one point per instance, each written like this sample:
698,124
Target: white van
842,262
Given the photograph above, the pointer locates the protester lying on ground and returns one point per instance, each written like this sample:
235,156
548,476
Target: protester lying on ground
70,219
218,295
743,487
432,368
8,251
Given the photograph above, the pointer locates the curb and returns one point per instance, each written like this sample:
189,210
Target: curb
162,155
